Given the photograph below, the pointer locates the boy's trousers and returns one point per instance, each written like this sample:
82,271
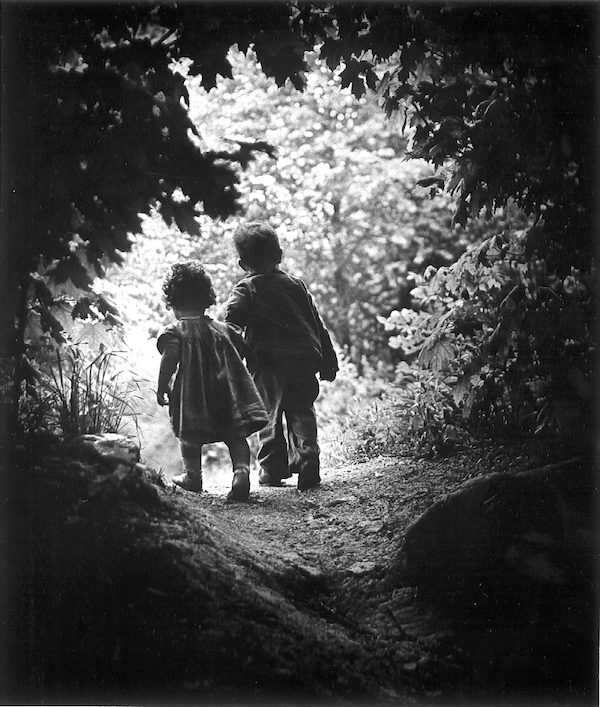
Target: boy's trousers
289,392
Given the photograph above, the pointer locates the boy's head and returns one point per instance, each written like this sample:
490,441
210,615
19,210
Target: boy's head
258,246
188,287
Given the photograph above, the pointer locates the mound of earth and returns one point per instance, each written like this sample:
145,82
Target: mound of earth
125,590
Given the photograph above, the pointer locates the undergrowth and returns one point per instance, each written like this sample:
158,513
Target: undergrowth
73,390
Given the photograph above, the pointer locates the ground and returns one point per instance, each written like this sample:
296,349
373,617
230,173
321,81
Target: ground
140,593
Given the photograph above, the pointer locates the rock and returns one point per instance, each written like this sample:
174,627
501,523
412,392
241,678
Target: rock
341,500
108,447
534,564
370,526
362,568
503,525
298,564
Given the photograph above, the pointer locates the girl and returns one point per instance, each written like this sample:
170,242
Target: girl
213,397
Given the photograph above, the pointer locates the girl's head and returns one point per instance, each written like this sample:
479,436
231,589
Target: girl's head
257,245
188,287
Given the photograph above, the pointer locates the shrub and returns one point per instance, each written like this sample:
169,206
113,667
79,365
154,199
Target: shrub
358,415
433,420
503,342
72,391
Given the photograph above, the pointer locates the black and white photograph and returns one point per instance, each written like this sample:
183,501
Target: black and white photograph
298,369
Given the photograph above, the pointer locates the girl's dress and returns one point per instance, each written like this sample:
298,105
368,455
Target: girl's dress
213,396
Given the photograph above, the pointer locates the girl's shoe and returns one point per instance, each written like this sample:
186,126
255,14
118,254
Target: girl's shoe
240,488
189,482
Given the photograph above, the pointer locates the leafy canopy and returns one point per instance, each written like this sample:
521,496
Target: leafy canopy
500,97
99,128
98,134
497,97
345,201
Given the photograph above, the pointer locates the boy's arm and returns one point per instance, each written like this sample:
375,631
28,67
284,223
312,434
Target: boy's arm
237,307
168,366
329,363
236,334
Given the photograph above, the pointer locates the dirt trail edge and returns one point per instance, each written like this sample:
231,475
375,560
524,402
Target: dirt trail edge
341,541
127,592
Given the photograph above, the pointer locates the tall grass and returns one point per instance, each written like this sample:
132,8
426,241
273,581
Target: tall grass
80,392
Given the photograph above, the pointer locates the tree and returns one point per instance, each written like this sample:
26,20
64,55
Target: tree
97,132
98,128
346,201
500,98
352,218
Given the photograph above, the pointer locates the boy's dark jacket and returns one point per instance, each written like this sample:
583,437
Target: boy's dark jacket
281,324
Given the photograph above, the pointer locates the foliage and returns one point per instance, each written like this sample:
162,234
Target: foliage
350,415
374,428
507,343
101,126
478,84
345,201
99,133
72,392
478,87
433,420
99,130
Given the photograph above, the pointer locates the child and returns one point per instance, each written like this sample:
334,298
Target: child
287,344
213,398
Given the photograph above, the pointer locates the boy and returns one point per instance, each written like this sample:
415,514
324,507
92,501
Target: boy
287,344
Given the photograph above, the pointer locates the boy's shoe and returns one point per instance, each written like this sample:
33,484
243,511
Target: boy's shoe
240,488
308,481
189,482
265,479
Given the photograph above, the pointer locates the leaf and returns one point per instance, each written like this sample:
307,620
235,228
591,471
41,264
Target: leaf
465,384
105,306
71,268
371,79
42,291
350,77
50,323
82,309
437,353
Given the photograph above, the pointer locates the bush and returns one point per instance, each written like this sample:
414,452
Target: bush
501,342
72,391
358,415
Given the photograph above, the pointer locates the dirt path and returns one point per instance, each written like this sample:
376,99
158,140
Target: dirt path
349,532
351,525
294,594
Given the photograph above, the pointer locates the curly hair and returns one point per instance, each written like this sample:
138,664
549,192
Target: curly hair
257,244
188,286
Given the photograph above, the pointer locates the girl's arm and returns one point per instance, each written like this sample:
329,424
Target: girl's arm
168,366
